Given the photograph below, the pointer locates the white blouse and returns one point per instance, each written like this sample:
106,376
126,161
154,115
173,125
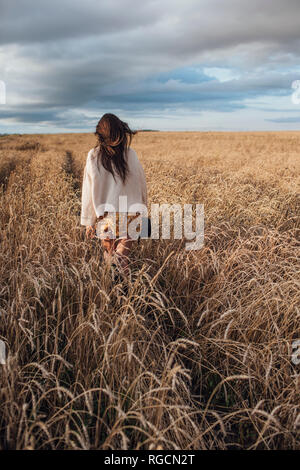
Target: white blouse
101,192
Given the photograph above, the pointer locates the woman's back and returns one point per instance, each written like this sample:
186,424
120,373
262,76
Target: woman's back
102,189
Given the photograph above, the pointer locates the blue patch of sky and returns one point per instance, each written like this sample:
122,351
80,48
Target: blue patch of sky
191,75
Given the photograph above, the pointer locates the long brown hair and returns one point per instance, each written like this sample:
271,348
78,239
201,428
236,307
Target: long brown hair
114,138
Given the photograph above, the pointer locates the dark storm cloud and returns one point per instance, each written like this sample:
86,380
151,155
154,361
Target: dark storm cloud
30,116
132,55
210,94
40,21
177,27
152,95
293,119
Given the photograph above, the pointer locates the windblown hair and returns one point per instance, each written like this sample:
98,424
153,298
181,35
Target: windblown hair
114,138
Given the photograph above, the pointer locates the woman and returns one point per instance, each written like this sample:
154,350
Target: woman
112,170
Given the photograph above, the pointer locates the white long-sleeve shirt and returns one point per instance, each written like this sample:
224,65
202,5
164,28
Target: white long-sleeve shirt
101,192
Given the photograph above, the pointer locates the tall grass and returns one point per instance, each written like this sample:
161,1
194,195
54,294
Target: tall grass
196,352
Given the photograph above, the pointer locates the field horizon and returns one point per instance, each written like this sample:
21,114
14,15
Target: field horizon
149,131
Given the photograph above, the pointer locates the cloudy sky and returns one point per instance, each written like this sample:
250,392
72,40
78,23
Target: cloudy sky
160,64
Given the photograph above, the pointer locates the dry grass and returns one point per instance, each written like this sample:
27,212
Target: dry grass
197,353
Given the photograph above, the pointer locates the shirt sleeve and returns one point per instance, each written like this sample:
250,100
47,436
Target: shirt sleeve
143,184
88,214
144,188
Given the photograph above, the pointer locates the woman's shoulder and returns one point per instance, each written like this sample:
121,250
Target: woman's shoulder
91,160
131,153
92,153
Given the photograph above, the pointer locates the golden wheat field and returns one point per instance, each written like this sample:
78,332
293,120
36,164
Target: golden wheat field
196,353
